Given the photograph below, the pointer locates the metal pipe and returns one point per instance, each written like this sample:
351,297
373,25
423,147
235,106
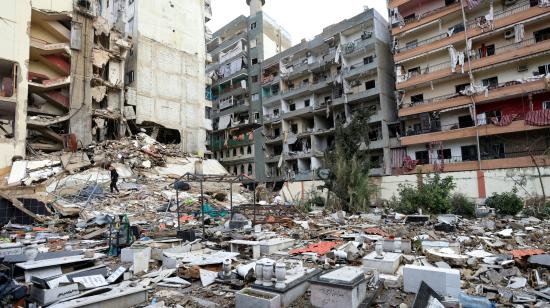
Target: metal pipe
202,211
177,208
231,199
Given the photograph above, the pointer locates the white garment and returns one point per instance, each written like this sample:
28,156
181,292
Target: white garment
481,119
461,61
454,58
338,53
519,32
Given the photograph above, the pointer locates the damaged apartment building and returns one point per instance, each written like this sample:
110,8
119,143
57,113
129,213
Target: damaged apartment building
312,87
472,84
72,75
237,51
62,74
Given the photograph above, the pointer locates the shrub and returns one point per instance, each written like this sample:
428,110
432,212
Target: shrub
537,208
433,196
461,205
507,203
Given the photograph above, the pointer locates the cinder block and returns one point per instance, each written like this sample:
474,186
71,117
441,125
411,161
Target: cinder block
444,281
343,287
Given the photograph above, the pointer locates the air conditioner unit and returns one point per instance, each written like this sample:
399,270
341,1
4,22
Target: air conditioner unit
510,2
509,34
522,68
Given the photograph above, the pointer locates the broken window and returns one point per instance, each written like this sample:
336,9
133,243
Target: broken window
292,107
294,128
8,72
461,87
465,121
306,102
414,71
254,61
252,27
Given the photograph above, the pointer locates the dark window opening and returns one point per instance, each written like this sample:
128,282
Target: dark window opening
248,150
294,128
542,35
490,82
414,71
254,78
253,26
416,99
410,18
461,87
249,169
254,61
306,102
292,107
465,121
234,152
368,60
445,154
371,84
422,157
468,152
544,69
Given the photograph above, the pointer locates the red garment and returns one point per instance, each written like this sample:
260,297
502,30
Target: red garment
538,117
505,120
409,163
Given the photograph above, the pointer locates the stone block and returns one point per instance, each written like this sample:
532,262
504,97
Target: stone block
444,281
343,287
252,298
387,265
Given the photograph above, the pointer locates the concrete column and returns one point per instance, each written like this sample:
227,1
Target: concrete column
255,6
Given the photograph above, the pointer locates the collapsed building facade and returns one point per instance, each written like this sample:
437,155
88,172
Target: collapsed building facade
237,51
472,84
63,78
312,87
65,73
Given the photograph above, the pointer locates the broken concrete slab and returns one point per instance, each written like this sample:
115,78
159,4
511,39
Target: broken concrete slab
444,281
343,287
386,264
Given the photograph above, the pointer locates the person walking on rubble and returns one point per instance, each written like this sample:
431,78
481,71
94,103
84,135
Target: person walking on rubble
114,179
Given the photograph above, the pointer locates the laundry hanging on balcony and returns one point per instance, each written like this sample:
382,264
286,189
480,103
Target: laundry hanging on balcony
398,157
504,120
225,121
538,117
457,58
396,18
338,54
472,90
544,3
519,33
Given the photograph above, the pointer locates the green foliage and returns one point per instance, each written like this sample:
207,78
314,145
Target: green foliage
433,196
507,203
461,205
537,208
349,179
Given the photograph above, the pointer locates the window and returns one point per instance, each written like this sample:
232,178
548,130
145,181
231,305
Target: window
468,152
416,99
449,2
409,18
256,97
305,81
368,60
412,44
544,69
253,43
542,35
241,150
294,128
327,99
461,87
306,102
249,169
371,84
292,107
256,115
276,112
253,26
254,78
546,105
422,157
465,121
254,61
457,28
490,82
249,150
445,154
486,50
234,152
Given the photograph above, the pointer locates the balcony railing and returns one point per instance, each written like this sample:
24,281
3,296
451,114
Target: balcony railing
516,8
426,14
426,70
506,48
272,117
437,127
422,42
352,47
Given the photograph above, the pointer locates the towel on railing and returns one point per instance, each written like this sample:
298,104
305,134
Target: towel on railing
538,117
409,163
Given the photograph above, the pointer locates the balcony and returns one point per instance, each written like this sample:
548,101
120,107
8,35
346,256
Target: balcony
358,46
270,118
455,131
272,158
296,91
427,18
242,72
321,83
363,95
299,68
396,3
430,73
297,112
271,98
526,48
503,90
231,143
502,19
360,68
522,160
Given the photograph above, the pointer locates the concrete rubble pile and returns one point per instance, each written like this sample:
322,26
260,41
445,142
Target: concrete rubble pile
92,247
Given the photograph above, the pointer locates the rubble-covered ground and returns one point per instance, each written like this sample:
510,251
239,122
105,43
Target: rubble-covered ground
67,241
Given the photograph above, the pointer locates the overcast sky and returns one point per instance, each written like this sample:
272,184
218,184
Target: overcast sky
301,18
